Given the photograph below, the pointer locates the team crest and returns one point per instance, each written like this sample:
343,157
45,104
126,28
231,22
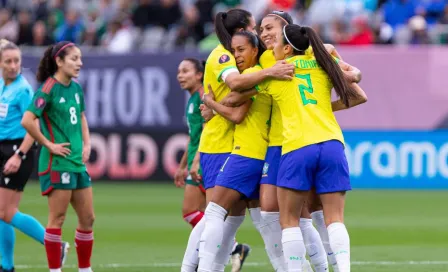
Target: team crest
191,108
40,103
77,98
224,58
265,169
65,178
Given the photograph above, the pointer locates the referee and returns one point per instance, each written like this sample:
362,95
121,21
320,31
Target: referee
17,155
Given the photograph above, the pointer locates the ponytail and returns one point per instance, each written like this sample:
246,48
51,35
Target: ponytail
300,38
227,23
221,31
47,65
343,89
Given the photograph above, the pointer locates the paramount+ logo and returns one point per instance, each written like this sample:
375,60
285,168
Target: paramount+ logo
407,159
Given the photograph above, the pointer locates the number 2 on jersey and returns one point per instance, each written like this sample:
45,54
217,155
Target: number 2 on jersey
73,117
306,88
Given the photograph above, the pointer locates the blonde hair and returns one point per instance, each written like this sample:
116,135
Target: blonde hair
5,45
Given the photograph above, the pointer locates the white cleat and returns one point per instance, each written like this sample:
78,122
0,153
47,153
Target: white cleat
65,247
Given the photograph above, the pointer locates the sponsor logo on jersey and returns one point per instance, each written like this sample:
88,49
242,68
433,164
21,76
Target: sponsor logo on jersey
191,108
77,98
40,103
224,58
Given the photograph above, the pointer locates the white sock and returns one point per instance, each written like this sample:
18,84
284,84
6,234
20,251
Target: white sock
55,270
255,215
340,243
231,226
271,232
313,245
212,236
318,219
293,249
85,269
191,257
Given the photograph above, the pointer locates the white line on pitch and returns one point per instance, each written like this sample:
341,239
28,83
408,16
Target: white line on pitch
117,265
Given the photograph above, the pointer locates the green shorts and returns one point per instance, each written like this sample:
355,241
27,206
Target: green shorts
190,181
64,181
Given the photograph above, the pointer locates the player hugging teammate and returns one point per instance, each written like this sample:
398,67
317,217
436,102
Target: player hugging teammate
301,117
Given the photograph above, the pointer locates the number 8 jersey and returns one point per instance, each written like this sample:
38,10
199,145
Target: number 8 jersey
305,105
59,109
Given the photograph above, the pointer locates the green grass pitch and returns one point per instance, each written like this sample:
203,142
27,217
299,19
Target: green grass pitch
139,227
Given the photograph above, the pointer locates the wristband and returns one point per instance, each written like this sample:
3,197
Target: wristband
20,154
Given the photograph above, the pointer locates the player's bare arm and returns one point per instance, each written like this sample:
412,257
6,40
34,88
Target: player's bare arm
236,99
241,82
361,99
194,171
180,175
351,73
86,149
29,123
235,115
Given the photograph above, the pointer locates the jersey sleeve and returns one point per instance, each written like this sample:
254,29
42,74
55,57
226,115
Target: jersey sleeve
223,63
39,103
25,99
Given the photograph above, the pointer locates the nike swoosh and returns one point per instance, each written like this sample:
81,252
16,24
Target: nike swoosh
313,255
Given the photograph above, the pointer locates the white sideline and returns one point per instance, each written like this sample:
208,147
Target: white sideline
253,264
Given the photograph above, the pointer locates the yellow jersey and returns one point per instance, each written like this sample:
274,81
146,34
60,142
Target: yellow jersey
267,60
251,135
217,135
305,105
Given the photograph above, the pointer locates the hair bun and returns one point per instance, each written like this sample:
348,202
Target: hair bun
303,30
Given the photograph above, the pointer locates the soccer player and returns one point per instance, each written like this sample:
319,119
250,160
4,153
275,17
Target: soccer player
17,154
189,75
59,106
312,149
272,25
240,175
217,136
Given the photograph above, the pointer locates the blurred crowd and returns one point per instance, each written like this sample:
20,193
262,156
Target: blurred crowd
121,26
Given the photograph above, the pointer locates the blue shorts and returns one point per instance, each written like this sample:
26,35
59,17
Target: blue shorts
322,166
271,164
241,174
210,165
